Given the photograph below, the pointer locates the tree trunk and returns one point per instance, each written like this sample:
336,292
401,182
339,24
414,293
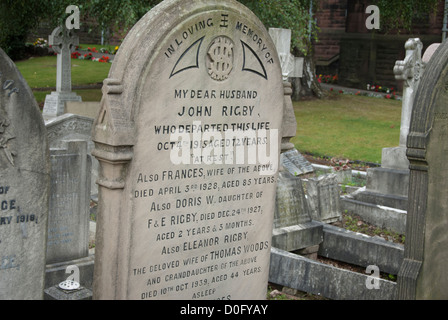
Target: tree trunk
310,85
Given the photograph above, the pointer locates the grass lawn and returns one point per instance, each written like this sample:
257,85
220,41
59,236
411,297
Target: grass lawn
108,47
86,95
41,73
347,126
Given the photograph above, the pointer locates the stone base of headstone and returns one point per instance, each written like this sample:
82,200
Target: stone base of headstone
56,273
56,293
55,103
394,158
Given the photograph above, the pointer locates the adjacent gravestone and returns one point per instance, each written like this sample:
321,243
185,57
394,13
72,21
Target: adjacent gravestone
63,42
410,71
293,227
323,197
429,52
295,163
282,41
186,188
68,220
74,127
423,272
390,183
24,189
69,216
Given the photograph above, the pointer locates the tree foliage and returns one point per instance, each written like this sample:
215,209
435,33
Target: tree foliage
401,14
17,18
288,14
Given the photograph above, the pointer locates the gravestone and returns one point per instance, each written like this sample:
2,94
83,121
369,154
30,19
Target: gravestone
323,197
181,215
429,52
290,155
410,71
423,272
24,189
293,227
63,42
69,215
68,220
74,127
387,186
295,163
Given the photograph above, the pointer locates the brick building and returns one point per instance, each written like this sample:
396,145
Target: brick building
360,56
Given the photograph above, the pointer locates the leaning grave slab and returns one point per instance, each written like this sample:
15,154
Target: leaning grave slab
178,219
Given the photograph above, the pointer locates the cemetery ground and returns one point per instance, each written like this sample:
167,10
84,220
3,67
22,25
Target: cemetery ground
342,126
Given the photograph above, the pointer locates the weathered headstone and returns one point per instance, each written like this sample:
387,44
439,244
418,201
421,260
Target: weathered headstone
63,42
24,189
68,220
429,52
295,163
293,226
73,127
69,217
323,197
390,182
423,272
410,71
180,214
282,41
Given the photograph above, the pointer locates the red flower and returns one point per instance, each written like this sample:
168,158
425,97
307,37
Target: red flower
388,96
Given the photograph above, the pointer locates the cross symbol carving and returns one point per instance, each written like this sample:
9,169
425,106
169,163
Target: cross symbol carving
63,42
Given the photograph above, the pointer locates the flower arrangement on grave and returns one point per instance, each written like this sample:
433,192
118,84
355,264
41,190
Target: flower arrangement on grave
92,49
75,55
40,42
327,78
340,164
115,50
103,59
88,56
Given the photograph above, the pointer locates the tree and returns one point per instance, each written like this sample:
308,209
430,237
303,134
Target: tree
16,19
401,14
